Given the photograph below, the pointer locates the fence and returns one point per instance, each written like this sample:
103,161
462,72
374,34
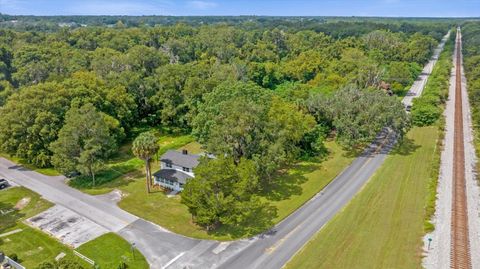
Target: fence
13,263
83,257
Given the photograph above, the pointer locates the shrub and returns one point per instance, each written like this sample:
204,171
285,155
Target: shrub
46,265
122,265
424,114
14,257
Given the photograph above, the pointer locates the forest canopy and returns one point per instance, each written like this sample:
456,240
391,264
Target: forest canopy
184,75
259,93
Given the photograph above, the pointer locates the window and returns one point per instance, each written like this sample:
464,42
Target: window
186,169
169,165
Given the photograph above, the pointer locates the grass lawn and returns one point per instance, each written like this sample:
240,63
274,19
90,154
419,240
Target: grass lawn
109,250
10,197
158,208
34,247
46,171
193,148
292,190
31,246
383,225
306,179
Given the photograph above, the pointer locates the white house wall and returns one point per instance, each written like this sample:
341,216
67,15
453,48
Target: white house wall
175,187
163,165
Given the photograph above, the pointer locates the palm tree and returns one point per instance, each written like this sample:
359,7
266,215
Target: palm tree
145,147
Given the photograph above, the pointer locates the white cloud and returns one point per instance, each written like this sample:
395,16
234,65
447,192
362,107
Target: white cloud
202,5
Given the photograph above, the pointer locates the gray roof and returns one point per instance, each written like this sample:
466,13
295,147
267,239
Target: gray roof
173,175
180,159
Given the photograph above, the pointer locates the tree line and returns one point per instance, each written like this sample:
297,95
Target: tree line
471,52
260,98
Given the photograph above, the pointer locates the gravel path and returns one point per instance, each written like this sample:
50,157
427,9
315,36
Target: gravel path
438,251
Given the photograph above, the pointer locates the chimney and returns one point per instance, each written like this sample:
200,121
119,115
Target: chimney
184,152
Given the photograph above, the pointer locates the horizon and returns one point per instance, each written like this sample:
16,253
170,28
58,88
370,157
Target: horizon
236,8
245,15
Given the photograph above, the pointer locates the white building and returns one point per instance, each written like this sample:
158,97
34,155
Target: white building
176,168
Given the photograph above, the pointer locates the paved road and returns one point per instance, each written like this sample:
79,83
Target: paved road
291,234
164,249
419,84
296,230
167,250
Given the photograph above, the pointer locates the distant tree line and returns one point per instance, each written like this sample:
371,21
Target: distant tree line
471,51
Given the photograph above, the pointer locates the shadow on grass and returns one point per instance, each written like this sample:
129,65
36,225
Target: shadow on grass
105,179
259,221
406,147
260,218
23,165
288,182
123,154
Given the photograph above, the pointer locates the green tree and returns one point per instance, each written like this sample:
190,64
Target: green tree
84,141
31,119
359,115
6,89
145,146
399,72
419,48
243,120
222,193
304,67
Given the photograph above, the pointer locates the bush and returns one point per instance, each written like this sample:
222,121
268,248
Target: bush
14,257
46,265
122,265
425,114
69,264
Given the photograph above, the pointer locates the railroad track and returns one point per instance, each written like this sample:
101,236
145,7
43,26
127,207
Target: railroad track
460,249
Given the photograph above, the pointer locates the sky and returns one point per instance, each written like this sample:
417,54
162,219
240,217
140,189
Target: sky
391,8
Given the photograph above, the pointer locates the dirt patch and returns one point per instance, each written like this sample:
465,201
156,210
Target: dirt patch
22,203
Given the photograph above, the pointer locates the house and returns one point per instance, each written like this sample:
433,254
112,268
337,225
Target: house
386,88
176,168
